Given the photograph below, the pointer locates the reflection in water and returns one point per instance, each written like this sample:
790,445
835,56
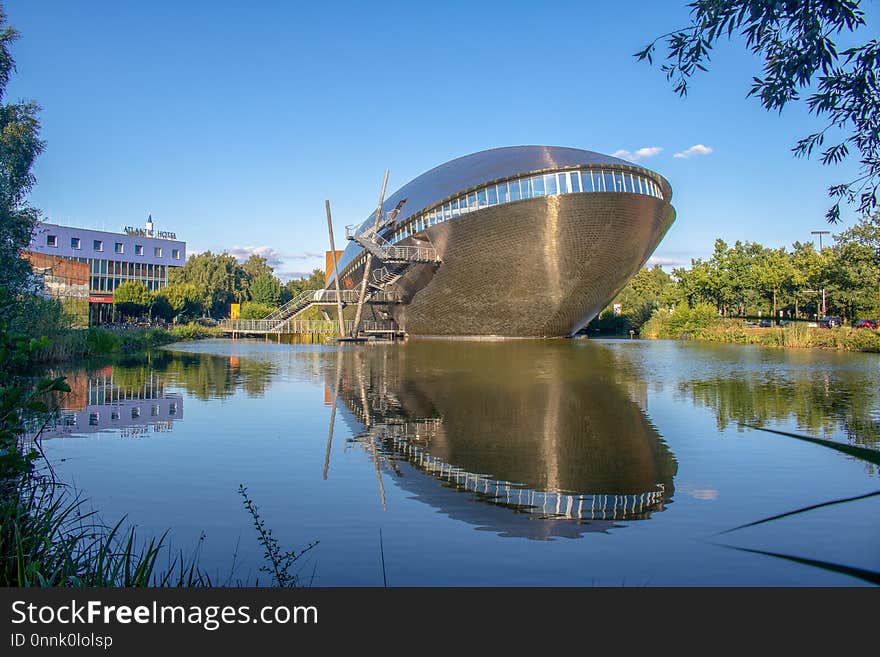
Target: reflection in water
99,401
131,396
520,438
820,393
816,402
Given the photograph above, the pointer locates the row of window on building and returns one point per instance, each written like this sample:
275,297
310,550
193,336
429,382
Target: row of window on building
94,418
118,247
107,275
519,189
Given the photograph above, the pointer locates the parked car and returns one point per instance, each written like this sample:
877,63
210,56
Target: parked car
830,322
765,323
867,323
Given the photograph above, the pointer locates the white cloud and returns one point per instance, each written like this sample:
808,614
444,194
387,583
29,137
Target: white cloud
641,154
274,258
290,275
696,149
663,262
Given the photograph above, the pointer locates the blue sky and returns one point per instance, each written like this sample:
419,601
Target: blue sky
231,122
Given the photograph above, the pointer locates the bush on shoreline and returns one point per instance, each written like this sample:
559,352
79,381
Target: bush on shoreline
71,344
702,322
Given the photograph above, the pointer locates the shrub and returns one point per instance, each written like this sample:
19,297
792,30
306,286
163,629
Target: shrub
255,310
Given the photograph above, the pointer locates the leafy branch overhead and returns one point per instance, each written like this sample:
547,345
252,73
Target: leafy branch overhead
794,39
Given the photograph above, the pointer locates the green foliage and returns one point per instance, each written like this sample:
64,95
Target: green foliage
256,266
132,299
193,331
638,300
255,310
76,312
20,145
295,287
219,281
748,279
183,299
682,322
35,316
265,289
161,308
279,564
794,39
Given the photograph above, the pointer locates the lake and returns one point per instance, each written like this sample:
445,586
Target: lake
523,462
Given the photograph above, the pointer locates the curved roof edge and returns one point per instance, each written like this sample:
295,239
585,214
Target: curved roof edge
474,169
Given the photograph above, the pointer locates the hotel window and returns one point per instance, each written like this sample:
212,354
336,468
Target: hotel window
118,248
135,413
157,251
139,249
98,245
51,240
175,253
93,419
75,243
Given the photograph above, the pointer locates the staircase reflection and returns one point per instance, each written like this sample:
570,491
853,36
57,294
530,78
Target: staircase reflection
518,438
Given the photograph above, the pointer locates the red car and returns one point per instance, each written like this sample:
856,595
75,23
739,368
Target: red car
867,323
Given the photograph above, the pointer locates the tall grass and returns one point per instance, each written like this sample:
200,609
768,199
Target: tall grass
703,323
49,537
73,344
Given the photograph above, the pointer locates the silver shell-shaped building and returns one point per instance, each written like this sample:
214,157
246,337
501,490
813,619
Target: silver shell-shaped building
526,241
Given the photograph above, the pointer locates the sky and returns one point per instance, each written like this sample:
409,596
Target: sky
231,122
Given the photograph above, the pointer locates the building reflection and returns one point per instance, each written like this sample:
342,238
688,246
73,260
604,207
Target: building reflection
127,403
519,438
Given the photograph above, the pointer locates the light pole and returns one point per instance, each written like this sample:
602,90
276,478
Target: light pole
820,233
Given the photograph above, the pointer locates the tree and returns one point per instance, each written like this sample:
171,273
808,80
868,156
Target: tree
183,298
20,145
255,310
160,307
265,289
219,280
854,274
256,265
314,281
132,299
774,274
794,39
810,275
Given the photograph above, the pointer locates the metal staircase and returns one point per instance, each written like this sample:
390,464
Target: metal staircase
310,298
390,253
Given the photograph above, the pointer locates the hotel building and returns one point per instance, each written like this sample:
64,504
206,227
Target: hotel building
136,254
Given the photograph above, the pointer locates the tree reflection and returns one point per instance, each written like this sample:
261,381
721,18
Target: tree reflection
818,402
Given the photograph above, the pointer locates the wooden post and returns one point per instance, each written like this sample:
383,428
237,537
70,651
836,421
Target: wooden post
335,270
368,264
333,411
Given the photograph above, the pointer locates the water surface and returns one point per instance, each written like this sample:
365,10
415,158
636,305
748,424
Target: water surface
563,462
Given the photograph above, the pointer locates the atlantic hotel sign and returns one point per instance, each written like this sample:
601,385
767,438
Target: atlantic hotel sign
145,232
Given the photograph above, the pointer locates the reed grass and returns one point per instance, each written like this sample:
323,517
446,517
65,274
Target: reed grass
49,537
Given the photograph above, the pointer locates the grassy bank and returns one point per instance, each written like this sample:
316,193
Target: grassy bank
70,344
703,323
